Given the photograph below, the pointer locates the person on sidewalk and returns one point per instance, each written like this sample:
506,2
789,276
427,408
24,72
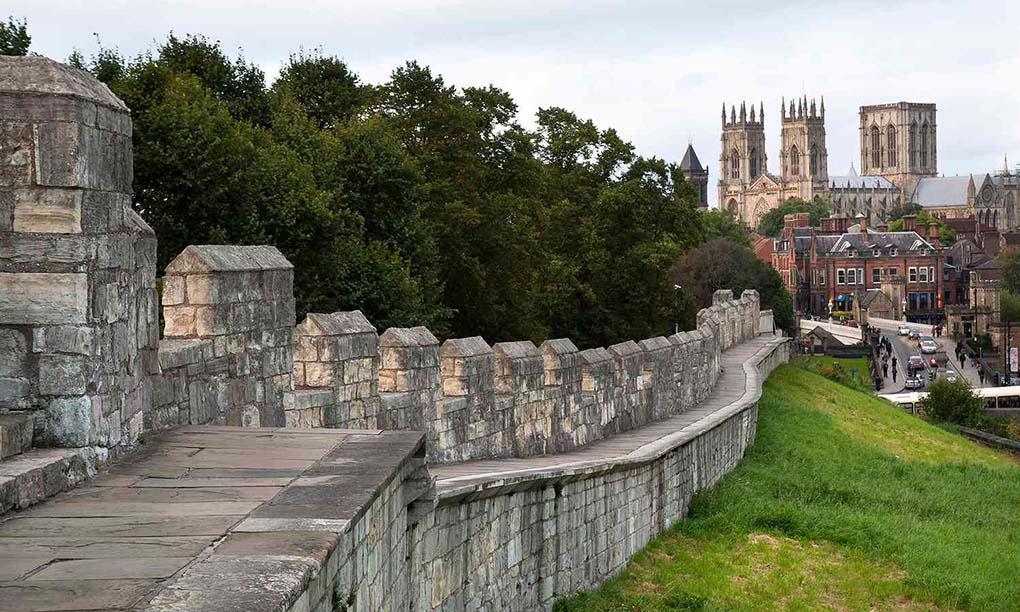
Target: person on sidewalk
894,374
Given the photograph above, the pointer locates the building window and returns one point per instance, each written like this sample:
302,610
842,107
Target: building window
840,276
923,303
875,252
924,144
922,275
892,252
794,161
753,160
890,145
814,160
876,147
860,276
821,277
913,145
876,275
734,164
893,273
912,275
931,275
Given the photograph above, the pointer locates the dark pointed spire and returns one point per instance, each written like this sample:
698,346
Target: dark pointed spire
733,114
743,112
690,163
823,107
753,117
782,106
724,113
761,112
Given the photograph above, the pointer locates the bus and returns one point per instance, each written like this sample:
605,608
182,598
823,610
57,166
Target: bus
999,401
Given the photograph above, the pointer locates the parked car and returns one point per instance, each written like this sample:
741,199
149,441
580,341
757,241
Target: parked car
904,330
952,376
928,345
914,334
914,383
914,364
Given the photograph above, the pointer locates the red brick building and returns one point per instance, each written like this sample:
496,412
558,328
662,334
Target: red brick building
826,268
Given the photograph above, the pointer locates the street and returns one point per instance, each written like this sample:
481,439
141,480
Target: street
903,348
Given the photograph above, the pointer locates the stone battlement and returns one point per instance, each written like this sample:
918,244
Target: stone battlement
554,464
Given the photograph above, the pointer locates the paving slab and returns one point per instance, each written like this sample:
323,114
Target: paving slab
161,529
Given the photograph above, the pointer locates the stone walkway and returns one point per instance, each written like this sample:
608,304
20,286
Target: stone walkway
638,445
191,493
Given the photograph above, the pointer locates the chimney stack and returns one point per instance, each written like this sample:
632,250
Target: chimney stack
910,223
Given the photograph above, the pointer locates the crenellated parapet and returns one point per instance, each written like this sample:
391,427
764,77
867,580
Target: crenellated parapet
80,337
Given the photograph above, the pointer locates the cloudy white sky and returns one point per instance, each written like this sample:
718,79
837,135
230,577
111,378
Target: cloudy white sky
656,70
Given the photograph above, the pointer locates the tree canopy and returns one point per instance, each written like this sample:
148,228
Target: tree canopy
14,37
723,264
413,200
924,220
771,223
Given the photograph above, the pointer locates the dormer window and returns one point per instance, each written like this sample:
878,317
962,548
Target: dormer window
875,252
892,252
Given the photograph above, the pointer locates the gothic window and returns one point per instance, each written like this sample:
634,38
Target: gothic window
1010,211
814,160
924,145
794,161
876,147
890,145
755,170
734,164
913,145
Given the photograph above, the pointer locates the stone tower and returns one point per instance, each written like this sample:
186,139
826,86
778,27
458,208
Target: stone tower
742,157
78,318
898,142
697,175
803,156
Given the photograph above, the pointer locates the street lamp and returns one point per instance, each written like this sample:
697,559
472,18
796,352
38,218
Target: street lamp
903,306
676,322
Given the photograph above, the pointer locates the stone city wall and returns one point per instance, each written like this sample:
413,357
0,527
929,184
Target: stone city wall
519,543
78,327
79,322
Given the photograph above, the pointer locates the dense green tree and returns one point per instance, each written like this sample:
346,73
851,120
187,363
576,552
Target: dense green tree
325,87
771,223
1009,265
413,200
923,221
721,223
14,37
723,264
953,402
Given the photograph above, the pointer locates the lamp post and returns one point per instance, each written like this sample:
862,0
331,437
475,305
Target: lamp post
676,321
903,307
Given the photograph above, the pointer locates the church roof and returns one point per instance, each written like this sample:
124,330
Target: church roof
852,180
690,163
935,191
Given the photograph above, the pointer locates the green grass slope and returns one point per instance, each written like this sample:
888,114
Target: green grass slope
844,503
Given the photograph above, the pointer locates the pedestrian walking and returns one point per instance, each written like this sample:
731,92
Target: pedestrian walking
894,374
885,370
894,365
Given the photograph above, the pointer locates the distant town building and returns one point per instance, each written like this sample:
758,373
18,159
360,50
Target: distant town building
828,269
696,174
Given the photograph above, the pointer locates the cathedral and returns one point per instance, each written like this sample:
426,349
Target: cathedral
898,165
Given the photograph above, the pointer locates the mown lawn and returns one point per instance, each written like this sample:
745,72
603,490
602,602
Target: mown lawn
843,503
860,364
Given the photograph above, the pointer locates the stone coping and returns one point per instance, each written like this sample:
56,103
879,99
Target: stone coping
202,515
739,387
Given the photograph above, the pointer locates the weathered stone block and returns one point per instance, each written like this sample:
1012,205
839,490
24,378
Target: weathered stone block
13,353
43,298
68,421
62,375
17,154
50,211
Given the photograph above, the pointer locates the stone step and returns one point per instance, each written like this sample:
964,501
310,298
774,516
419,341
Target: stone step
15,434
36,474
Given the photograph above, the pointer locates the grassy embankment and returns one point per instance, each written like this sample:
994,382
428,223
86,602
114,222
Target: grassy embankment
843,503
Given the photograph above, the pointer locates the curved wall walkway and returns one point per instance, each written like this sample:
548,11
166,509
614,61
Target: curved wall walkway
515,534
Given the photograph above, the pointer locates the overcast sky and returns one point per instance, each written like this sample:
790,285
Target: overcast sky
656,70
